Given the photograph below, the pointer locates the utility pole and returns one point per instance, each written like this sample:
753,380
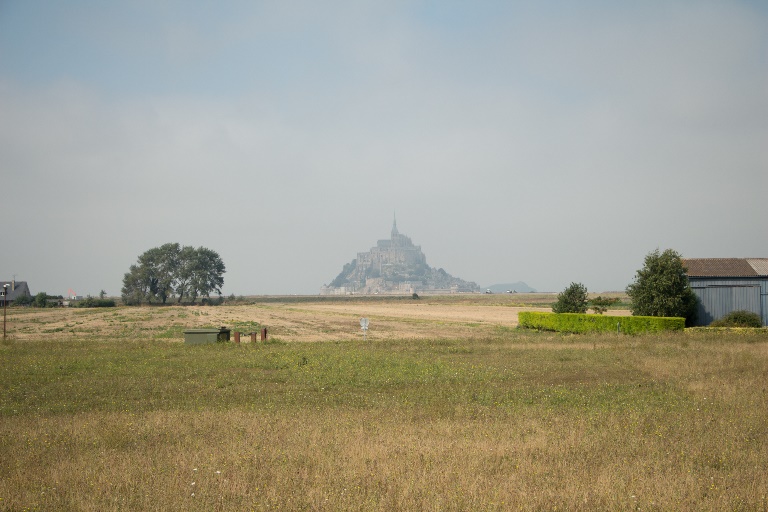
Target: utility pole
5,305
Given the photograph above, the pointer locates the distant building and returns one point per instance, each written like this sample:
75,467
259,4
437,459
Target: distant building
398,251
15,290
724,285
394,266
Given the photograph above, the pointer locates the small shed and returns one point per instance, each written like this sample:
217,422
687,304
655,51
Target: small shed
202,336
724,285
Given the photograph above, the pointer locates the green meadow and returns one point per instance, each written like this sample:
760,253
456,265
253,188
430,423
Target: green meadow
507,420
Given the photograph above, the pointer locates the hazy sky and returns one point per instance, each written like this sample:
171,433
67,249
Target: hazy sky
546,141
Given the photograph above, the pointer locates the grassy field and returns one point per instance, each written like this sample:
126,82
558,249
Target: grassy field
108,410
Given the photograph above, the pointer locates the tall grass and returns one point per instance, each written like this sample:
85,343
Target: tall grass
514,421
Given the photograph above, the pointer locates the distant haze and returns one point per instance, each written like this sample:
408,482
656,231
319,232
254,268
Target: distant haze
549,142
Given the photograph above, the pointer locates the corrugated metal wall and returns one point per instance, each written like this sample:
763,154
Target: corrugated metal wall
720,296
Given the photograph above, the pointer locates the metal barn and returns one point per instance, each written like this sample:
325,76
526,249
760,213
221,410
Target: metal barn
729,284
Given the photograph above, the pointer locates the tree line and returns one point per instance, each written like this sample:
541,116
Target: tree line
172,271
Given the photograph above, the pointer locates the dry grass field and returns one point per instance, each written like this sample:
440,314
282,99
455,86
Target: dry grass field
445,406
293,320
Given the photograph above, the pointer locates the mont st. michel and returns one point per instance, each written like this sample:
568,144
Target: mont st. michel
394,266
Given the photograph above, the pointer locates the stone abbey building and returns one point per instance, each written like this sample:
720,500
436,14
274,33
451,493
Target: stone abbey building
394,266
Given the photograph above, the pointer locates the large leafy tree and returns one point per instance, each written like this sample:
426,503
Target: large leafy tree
185,271
160,266
136,286
661,288
168,270
205,273
573,299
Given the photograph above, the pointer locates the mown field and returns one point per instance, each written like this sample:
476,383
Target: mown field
445,406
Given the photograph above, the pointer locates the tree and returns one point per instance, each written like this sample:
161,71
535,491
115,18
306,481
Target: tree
152,278
600,305
160,265
171,269
661,288
206,274
572,300
202,272
185,272
41,300
136,286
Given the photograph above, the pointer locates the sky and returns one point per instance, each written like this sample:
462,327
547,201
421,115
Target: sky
548,141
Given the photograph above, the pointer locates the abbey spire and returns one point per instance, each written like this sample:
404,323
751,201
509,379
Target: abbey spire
394,226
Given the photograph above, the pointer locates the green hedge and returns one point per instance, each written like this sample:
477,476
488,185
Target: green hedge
578,323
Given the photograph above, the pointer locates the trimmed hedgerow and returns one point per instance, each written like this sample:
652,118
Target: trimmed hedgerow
578,323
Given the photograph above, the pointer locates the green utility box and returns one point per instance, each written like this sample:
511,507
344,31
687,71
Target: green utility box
202,336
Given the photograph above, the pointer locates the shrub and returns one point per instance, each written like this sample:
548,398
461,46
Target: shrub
41,300
208,301
90,302
24,300
739,318
600,305
572,300
578,323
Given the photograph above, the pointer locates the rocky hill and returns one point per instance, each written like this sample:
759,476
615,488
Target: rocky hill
395,266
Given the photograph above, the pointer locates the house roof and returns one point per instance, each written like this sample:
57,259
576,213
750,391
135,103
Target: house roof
726,267
20,288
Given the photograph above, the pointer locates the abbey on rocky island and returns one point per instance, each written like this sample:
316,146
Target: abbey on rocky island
394,266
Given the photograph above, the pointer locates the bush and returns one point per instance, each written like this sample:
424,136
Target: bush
90,302
739,319
578,323
600,305
24,300
572,300
41,300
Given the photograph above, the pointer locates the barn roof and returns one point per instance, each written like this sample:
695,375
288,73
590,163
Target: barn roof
726,267
760,265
